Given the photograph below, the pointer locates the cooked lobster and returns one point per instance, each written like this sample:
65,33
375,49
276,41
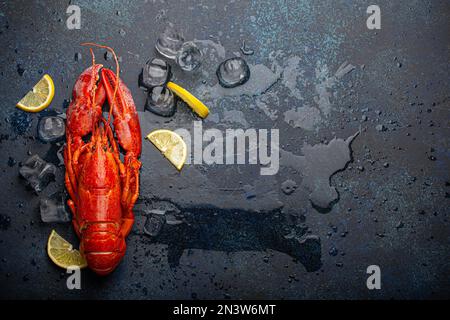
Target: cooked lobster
102,188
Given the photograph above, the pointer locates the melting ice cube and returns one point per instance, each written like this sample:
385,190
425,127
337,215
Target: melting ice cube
233,72
161,102
156,73
189,58
169,42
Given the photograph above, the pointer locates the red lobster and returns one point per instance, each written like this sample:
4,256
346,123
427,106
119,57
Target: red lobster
102,188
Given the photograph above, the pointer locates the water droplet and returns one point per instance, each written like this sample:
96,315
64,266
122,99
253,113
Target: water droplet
20,70
249,191
5,222
11,162
156,73
288,187
245,50
161,101
189,58
333,251
233,72
65,104
108,56
169,42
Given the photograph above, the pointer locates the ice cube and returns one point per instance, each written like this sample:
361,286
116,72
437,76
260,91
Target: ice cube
233,72
37,173
154,224
156,73
51,129
169,42
53,208
189,57
161,101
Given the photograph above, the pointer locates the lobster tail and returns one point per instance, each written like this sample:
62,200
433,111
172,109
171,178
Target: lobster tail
103,246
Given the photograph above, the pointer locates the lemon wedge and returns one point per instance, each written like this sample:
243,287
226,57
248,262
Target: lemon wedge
171,146
39,97
62,253
196,105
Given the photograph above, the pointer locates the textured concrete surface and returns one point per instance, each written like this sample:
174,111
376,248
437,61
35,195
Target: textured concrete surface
319,76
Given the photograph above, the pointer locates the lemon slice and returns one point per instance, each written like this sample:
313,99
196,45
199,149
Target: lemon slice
39,97
196,105
171,146
62,253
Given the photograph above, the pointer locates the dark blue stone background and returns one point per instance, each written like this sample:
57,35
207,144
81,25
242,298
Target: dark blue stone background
232,244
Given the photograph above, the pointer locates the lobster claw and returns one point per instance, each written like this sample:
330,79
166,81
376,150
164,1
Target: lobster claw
83,112
126,121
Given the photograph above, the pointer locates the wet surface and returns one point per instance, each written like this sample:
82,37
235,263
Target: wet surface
364,150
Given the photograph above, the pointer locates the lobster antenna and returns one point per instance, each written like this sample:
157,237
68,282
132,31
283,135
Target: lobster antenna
93,91
116,87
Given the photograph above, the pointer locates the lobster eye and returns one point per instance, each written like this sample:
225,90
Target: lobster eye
104,149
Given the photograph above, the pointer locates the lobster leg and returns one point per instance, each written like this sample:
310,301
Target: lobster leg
128,218
76,226
71,160
70,181
69,177
131,188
